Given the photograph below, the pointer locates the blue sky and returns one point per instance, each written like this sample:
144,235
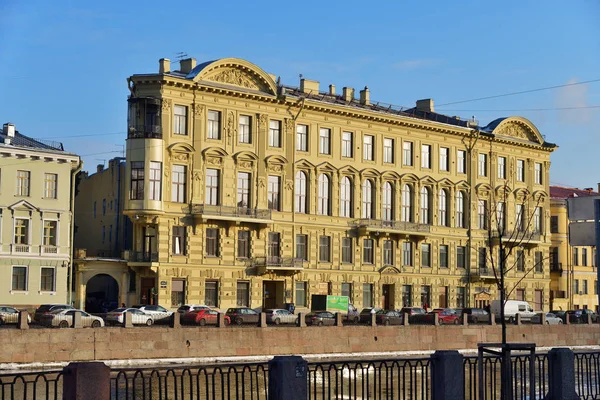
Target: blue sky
64,64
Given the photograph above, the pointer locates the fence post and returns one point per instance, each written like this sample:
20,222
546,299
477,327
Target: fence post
288,378
406,319
262,320
301,320
23,321
77,320
220,320
464,319
86,380
175,320
561,375
127,320
338,319
447,379
372,320
492,319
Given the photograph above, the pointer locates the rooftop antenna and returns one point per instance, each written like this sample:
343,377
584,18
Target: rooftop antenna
122,146
180,55
103,161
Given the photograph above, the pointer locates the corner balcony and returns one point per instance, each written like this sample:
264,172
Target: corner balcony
365,225
484,274
231,213
144,131
281,265
518,237
140,258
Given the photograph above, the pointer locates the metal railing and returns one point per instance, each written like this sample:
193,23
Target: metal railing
148,131
395,225
277,262
587,375
519,236
32,385
140,256
235,381
483,272
230,211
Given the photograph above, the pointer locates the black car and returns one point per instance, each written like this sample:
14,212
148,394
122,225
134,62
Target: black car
476,315
581,316
320,318
242,315
365,314
415,314
48,309
388,317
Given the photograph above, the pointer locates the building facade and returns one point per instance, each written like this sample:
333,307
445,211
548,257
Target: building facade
573,268
36,216
243,191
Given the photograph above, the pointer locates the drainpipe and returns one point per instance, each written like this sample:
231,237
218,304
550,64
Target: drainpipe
72,233
118,207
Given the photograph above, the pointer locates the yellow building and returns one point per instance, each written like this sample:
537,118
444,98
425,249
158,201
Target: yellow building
36,207
573,268
244,191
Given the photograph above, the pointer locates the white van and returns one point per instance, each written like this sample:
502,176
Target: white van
512,308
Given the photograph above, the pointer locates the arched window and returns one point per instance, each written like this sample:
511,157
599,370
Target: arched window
323,205
387,202
367,199
460,209
425,206
407,203
301,199
346,197
443,208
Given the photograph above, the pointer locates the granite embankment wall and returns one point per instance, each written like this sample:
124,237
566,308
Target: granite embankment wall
48,345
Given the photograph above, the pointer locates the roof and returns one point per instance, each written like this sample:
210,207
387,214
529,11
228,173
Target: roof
559,192
20,140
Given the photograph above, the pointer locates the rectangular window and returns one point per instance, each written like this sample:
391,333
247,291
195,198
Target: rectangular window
212,242
577,286
324,141
425,255
21,231
302,247
347,144
302,138
482,214
50,181
213,183
520,260
500,216
368,251
23,180
178,240
50,233
482,164
137,181
584,257
460,297
325,249
367,295
155,180
501,167
243,243
407,254
368,143
19,278
461,256
103,206
554,265
347,250
214,125
519,217
444,256
538,302
407,154
406,295
47,279
482,258
211,293
243,294
426,156
274,247
347,290
521,294
444,165
301,294
180,120
243,190
274,133
94,209
388,252
245,129
273,192
596,287
554,224
537,219
103,234
388,150
575,256
461,162
538,173
177,292
426,296
521,170
178,185
539,261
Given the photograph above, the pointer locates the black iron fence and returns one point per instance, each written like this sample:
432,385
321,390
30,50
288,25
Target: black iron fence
587,375
32,385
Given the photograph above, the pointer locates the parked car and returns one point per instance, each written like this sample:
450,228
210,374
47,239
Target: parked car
10,315
512,308
64,319
388,317
280,316
476,315
580,316
551,319
560,314
48,308
188,307
158,313
446,316
365,315
242,315
415,314
203,316
138,317
320,318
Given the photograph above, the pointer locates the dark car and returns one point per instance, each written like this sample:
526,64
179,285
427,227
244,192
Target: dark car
580,316
320,318
415,314
388,317
242,315
365,314
48,309
476,315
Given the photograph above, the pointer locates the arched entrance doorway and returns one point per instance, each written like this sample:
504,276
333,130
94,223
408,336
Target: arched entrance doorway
101,294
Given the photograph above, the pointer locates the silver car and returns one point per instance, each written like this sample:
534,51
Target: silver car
137,317
551,319
64,319
10,315
280,316
158,313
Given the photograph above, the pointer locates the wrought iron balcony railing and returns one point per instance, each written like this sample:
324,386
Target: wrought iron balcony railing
140,256
278,262
147,131
230,211
519,236
394,225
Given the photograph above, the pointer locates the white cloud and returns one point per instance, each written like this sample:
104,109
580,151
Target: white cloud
574,96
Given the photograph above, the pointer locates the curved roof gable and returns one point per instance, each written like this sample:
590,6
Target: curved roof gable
515,128
234,72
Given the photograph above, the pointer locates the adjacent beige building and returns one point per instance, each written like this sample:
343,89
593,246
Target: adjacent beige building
36,205
243,191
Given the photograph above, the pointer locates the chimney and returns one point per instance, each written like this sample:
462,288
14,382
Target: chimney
348,93
186,66
332,90
99,167
365,96
598,187
164,66
425,105
308,86
9,129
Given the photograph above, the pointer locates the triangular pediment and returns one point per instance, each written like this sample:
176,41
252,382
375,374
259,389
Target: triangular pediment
23,205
